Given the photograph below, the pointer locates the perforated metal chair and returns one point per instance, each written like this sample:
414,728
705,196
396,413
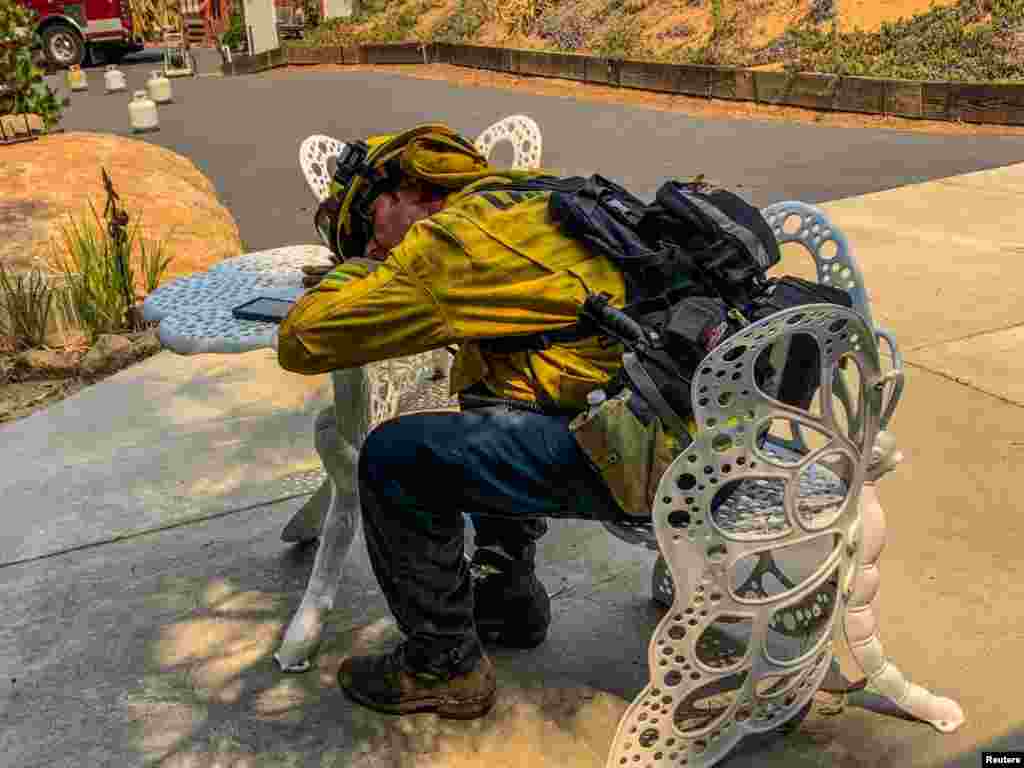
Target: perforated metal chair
316,151
764,574
808,226
520,131
772,573
315,154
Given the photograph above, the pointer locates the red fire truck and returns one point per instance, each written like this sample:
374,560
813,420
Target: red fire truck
72,30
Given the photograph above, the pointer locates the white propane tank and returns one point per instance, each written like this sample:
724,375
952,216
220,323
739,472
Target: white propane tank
159,87
76,79
142,113
113,79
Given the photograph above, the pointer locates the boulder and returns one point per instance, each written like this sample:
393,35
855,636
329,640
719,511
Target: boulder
47,364
43,181
110,352
20,126
145,344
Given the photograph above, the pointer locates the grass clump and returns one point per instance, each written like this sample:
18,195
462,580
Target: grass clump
98,274
376,22
26,301
99,283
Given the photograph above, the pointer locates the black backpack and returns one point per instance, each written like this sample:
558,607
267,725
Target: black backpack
694,263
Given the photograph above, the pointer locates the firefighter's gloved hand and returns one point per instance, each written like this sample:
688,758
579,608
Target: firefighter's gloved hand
312,274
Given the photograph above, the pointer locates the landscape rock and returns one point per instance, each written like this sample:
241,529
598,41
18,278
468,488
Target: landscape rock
42,182
146,343
47,363
20,125
108,353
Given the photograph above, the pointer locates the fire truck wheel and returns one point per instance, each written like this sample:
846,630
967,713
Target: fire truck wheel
63,45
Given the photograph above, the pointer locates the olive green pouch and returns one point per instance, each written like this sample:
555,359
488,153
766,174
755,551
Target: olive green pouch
630,456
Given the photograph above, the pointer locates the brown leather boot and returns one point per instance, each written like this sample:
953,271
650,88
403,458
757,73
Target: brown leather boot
510,605
386,683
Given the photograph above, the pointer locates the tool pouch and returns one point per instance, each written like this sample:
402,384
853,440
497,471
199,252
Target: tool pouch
629,448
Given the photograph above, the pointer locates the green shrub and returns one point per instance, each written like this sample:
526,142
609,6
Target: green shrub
26,301
311,13
234,35
950,43
22,81
621,39
463,23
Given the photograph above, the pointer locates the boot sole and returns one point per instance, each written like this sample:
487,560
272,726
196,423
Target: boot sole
450,710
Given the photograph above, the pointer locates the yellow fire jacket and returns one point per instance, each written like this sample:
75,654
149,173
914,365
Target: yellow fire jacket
489,265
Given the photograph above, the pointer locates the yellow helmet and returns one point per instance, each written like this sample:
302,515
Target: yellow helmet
432,152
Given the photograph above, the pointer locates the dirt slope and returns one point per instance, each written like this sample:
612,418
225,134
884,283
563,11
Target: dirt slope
675,30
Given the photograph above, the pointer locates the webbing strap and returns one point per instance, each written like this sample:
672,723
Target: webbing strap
507,345
645,384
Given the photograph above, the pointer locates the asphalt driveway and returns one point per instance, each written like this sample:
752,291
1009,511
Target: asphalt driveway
244,134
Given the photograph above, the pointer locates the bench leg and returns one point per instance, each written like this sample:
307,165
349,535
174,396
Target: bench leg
861,629
340,456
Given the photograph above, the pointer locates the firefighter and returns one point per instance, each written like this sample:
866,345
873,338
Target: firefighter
457,262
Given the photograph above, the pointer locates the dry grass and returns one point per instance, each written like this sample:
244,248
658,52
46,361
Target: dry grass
672,30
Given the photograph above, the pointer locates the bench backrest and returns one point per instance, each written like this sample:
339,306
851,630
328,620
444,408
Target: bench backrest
761,543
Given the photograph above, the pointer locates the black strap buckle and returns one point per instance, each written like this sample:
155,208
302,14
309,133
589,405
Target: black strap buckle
351,161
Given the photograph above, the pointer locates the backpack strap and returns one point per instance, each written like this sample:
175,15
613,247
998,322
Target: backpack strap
536,342
642,380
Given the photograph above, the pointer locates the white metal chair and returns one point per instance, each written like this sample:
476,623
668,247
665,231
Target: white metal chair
316,151
519,130
315,154
765,575
796,222
772,513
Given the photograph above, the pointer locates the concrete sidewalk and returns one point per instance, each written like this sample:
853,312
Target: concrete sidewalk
156,649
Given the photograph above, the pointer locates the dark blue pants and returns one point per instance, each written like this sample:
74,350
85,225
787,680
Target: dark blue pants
419,474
